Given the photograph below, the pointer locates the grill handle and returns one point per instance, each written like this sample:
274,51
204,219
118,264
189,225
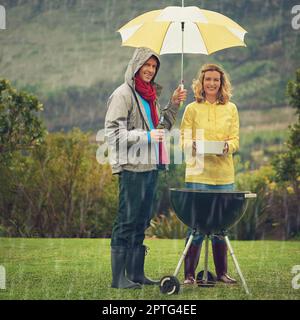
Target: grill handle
250,195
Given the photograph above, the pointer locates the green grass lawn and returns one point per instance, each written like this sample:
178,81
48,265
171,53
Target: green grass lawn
80,269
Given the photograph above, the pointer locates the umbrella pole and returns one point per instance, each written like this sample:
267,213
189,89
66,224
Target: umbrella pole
182,42
182,46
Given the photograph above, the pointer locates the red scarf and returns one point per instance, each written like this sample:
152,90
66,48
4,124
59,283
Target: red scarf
148,92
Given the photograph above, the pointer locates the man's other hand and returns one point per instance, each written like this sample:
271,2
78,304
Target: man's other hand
157,135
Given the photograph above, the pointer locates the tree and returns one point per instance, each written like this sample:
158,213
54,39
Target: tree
20,127
287,164
287,167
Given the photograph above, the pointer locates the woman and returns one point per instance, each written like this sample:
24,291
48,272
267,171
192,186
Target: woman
213,113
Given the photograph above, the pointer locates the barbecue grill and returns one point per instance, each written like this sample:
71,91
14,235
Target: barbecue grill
208,212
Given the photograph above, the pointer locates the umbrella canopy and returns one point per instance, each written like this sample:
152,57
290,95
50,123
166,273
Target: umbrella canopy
182,30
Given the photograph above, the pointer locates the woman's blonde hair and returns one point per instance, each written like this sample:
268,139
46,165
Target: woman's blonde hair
224,93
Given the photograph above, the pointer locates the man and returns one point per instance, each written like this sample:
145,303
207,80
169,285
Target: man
136,151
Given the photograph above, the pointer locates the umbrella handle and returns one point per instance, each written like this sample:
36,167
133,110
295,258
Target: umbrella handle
181,88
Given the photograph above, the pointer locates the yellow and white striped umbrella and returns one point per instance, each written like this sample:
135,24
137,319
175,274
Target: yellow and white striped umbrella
182,30
161,30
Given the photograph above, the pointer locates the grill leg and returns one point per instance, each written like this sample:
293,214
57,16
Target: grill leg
236,264
191,237
205,276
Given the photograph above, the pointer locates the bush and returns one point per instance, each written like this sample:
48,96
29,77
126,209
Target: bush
20,127
273,214
257,182
58,190
167,227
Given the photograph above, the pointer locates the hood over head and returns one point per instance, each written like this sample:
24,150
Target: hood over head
140,56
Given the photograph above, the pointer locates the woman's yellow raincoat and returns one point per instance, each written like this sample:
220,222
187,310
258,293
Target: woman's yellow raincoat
219,123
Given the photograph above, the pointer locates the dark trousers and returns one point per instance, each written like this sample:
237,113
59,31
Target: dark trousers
137,192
